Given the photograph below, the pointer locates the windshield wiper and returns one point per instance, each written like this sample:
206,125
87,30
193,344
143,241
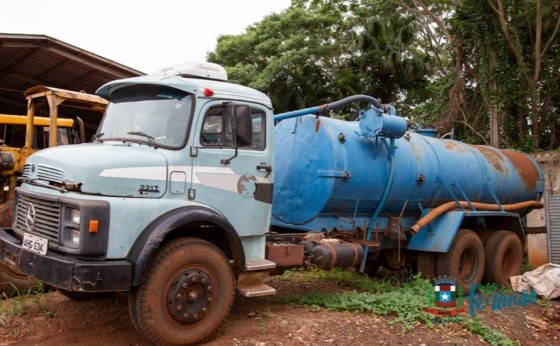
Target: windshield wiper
151,140
97,138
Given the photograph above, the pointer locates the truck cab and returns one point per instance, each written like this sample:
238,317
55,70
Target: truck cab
172,196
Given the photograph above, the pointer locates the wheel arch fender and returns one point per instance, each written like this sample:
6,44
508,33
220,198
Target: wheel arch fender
195,222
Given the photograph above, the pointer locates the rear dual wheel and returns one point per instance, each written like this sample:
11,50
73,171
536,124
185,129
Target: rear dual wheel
464,261
493,257
427,264
188,292
504,257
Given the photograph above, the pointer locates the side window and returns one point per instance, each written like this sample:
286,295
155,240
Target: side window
259,129
216,129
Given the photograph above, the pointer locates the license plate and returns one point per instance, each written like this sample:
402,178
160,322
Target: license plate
35,244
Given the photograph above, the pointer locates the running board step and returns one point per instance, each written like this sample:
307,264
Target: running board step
257,291
260,264
251,284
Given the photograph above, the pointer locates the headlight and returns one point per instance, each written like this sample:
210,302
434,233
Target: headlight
75,216
75,236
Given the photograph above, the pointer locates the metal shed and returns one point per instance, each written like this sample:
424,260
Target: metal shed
30,60
553,225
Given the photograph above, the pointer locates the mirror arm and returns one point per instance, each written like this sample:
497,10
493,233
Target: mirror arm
234,139
228,161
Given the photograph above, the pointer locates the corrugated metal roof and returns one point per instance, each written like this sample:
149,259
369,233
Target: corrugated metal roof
31,60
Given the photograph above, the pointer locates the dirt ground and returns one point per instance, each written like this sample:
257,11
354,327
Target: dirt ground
52,319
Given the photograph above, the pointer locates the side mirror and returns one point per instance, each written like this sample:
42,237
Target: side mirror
242,128
244,133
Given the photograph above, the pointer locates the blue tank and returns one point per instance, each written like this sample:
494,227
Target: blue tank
333,174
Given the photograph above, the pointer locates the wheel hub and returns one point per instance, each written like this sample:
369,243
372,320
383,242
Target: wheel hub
190,296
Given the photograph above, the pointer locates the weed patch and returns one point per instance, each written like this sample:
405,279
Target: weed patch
491,336
403,297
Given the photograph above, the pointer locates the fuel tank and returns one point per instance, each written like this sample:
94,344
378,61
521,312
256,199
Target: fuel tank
326,167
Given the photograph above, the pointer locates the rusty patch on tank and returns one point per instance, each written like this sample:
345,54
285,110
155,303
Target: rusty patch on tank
450,145
526,169
317,125
493,157
453,146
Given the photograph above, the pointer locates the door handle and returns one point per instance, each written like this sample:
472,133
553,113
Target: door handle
266,168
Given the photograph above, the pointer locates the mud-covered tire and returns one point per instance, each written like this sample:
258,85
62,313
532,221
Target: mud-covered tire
485,234
13,282
132,311
427,264
464,261
504,257
187,293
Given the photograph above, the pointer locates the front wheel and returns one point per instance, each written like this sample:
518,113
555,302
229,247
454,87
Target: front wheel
187,294
464,261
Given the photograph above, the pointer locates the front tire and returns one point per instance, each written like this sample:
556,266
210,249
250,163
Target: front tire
187,294
464,261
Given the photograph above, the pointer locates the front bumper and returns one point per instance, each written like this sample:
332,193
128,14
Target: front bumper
66,272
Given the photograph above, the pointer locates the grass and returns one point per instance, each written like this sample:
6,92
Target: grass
403,296
17,304
491,336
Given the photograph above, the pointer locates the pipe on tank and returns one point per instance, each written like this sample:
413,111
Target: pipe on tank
442,209
328,107
391,148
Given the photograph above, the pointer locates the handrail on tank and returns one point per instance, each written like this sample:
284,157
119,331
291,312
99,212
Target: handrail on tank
328,107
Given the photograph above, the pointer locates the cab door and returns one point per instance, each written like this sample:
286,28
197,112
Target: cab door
237,183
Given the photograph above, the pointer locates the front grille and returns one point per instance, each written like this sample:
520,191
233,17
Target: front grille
47,217
50,174
44,172
26,170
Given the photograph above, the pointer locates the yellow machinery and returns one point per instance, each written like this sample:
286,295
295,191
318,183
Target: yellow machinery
23,135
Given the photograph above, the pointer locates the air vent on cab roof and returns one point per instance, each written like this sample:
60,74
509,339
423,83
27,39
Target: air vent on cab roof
202,70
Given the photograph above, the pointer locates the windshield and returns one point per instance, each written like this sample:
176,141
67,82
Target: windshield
151,114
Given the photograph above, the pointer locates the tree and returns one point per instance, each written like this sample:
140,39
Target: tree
319,51
500,49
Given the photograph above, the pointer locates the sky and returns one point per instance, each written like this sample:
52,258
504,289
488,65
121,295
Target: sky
146,35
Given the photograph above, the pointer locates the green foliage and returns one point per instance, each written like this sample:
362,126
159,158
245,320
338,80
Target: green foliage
17,304
543,303
488,288
316,52
404,297
485,64
446,64
491,336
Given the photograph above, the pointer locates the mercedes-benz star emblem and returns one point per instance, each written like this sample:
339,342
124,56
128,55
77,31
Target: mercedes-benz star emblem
30,217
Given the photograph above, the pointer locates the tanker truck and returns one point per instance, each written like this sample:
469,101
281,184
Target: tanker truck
173,202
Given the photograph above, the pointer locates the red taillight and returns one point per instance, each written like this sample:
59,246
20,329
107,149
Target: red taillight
208,92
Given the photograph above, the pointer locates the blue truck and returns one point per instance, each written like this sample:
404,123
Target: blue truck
193,190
